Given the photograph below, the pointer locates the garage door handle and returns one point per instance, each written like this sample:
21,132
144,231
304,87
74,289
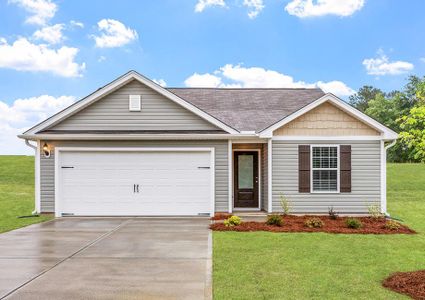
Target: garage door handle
203,167
137,186
134,188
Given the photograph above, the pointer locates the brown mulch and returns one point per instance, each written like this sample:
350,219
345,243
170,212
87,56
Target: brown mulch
221,216
408,283
293,223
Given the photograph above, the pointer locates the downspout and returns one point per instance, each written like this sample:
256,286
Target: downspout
34,212
386,148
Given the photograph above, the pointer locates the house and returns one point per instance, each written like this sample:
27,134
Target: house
135,148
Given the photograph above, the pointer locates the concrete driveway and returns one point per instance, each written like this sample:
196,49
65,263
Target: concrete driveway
107,258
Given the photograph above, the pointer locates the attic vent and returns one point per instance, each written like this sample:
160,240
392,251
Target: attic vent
134,103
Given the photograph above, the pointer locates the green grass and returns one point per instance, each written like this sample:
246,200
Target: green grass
17,192
263,265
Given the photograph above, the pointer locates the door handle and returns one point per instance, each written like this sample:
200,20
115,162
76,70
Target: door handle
134,188
137,188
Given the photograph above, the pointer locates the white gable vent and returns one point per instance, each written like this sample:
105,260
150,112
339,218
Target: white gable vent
134,103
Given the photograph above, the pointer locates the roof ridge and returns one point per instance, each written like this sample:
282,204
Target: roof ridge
225,89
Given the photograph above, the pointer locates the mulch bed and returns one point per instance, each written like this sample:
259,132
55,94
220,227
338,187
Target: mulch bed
408,283
293,223
221,216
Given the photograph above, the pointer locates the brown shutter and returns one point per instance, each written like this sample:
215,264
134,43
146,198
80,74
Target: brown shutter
345,168
304,168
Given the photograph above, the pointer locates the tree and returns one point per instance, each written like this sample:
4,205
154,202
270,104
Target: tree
360,100
413,134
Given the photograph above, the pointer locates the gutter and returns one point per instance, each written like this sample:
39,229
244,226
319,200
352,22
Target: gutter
387,215
34,212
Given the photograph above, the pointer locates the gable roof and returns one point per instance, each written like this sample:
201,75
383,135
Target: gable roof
248,109
386,133
113,86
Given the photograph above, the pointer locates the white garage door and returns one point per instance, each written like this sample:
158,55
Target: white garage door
134,183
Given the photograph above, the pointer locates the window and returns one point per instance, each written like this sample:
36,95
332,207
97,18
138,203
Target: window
324,168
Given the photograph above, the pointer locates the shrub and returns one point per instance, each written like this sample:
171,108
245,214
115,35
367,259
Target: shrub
285,204
314,223
392,225
274,220
232,221
353,223
332,214
375,211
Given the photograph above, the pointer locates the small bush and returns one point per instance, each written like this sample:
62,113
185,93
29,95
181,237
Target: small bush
332,214
392,225
285,204
353,223
314,223
274,220
232,221
375,212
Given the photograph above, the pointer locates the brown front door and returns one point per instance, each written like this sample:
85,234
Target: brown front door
245,166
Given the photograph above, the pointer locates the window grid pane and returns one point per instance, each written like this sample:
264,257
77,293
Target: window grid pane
324,166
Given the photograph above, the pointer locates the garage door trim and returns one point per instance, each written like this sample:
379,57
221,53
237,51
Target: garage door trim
58,151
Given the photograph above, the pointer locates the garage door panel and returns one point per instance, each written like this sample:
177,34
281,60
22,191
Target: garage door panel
102,183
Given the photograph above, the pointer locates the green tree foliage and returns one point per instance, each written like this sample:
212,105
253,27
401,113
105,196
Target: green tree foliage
413,133
361,99
401,111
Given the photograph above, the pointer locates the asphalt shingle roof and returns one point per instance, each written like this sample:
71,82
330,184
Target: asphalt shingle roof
248,109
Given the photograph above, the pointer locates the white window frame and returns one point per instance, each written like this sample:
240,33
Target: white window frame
337,169
134,99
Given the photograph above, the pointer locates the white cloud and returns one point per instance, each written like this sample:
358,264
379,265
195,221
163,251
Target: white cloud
202,4
316,8
160,82
24,113
114,34
50,34
41,10
23,55
101,58
203,80
230,76
422,59
381,65
255,7
77,24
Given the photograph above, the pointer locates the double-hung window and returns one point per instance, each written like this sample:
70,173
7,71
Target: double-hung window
324,168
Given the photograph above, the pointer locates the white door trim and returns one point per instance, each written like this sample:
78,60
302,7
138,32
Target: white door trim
259,180
58,150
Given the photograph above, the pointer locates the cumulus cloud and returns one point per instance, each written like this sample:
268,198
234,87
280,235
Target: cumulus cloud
254,6
382,65
113,33
23,55
23,114
203,4
41,11
50,34
160,82
230,76
316,8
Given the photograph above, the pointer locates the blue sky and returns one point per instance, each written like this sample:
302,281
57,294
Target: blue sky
55,52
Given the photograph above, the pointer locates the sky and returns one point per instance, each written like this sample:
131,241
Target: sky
54,52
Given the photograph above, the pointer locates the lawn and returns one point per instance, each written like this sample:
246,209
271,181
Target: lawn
263,265
17,192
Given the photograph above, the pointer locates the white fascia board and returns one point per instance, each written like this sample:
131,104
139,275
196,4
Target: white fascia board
327,138
114,86
386,133
50,137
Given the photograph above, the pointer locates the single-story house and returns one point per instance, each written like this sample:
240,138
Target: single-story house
134,148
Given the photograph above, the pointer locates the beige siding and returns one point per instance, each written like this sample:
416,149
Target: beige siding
365,179
47,165
325,120
112,113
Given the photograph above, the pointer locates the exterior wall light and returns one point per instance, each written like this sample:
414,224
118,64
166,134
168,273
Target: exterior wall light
46,150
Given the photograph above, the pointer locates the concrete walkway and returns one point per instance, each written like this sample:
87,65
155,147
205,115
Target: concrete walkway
107,258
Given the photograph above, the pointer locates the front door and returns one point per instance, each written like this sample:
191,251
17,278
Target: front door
246,179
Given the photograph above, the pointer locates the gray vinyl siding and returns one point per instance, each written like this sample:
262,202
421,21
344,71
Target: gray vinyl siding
264,177
366,179
112,113
47,166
